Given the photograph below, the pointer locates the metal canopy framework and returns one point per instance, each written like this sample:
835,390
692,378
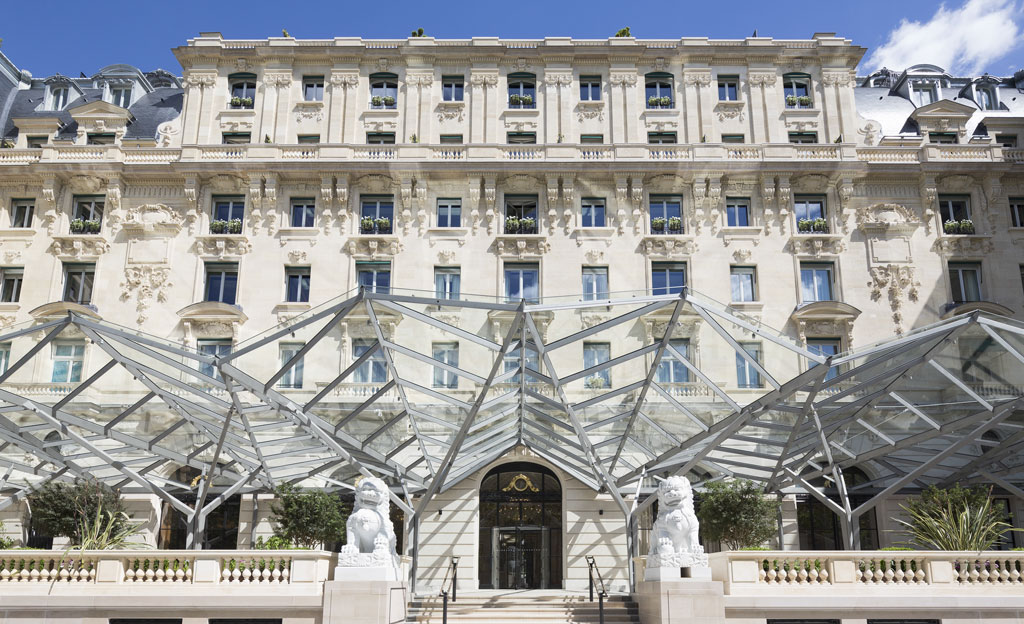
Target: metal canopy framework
381,397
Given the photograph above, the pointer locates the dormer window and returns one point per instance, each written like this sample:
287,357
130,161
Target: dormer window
522,90
121,96
658,90
383,90
986,98
797,89
58,98
243,90
922,93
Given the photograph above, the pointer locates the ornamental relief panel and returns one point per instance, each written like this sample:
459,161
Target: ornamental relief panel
85,247
153,219
521,247
667,247
899,282
963,245
146,283
816,245
221,247
825,329
373,246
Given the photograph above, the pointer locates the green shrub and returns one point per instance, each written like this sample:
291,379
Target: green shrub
737,514
896,548
58,509
308,517
954,518
6,543
274,542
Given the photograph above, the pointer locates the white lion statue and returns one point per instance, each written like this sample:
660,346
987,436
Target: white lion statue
369,534
674,541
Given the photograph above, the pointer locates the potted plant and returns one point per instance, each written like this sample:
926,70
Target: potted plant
966,226
389,101
383,225
675,224
665,101
527,100
527,225
377,101
804,225
595,381
804,100
653,101
791,100
366,225
235,226
515,99
92,226
414,139
820,225
218,226
511,225
236,102
658,224
951,226
77,226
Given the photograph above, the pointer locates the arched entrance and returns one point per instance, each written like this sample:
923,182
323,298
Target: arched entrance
520,528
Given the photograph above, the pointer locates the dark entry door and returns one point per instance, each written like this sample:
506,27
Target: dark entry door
521,556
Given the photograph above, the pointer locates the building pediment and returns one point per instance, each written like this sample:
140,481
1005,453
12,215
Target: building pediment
825,310
206,311
943,108
60,309
99,109
989,307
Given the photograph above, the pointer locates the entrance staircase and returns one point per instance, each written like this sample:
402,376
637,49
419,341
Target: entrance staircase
523,607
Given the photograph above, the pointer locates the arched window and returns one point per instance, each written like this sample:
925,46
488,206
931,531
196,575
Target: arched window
522,90
383,90
243,90
987,98
658,90
797,89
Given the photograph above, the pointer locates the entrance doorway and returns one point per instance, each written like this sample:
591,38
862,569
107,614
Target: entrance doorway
520,528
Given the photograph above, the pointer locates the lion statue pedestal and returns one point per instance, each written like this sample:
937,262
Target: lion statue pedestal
675,551
369,550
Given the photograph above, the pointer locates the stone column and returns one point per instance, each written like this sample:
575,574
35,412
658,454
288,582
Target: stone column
837,105
414,113
479,119
281,83
761,106
697,82
620,109
198,104
343,86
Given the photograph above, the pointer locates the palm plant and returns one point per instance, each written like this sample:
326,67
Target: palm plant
959,523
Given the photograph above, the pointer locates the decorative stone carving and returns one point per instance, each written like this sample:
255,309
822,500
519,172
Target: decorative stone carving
886,217
296,256
827,328
451,111
590,109
898,280
817,245
729,110
762,79
701,77
521,246
146,283
668,247
623,80
741,255
369,533
594,256
222,246
674,542
373,246
153,218
79,247
446,256
960,245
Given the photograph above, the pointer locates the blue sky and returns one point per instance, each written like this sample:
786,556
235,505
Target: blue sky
48,36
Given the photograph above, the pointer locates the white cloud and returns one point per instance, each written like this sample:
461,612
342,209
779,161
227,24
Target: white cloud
964,40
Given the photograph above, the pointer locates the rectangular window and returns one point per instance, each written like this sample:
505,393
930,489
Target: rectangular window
97,138
521,214
590,88
658,90
309,139
380,138
803,137
732,138
375,277
668,278
451,139
5,356
942,137
661,138
22,211
592,139
68,358
228,214
78,283
87,215
221,282
737,211
671,369
121,96
522,138
746,375
808,207
728,88
1006,140
452,88
297,284
592,212
512,361
236,138
377,214
522,281
825,347
313,88
374,369
666,214
595,283
815,282
58,98
446,353
449,213
965,281
293,377
10,284
303,212
38,141
797,91
595,353
743,281
954,207
213,348
923,93
1016,211
447,282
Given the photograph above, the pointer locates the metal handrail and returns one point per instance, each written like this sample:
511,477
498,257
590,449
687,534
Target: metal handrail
452,586
602,591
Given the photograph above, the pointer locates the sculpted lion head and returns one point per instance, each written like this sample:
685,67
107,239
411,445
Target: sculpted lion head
372,493
676,493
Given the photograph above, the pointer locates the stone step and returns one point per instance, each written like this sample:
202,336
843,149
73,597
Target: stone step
522,609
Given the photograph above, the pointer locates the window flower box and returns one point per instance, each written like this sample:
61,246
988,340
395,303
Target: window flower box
77,226
241,102
377,101
92,226
511,225
964,226
383,225
235,226
218,226
659,102
366,225
812,225
658,224
675,225
595,382
527,226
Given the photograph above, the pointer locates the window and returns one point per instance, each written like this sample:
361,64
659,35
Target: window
221,282
383,90
728,88
380,138
668,278
593,212
309,139
521,138
591,139
815,282
37,141
671,369
10,284
121,96
808,208
451,139
21,213
449,213
954,207
5,356
522,282
942,137
243,90
746,375
58,98
595,353
228,213
374,369
78,283
375,277
293,376
743,281
825,347
236,138
590,88
737,212
797,89
446,353
452,88
94,138
297,284
732,138
313,88
447,281
377,214
213,348
658,90
87,215
1016,211
666,214
520,214
512,362
803,137
522,90
661,138
595,283
1006,140
68,358
965,281
987,98
303,212
922,93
